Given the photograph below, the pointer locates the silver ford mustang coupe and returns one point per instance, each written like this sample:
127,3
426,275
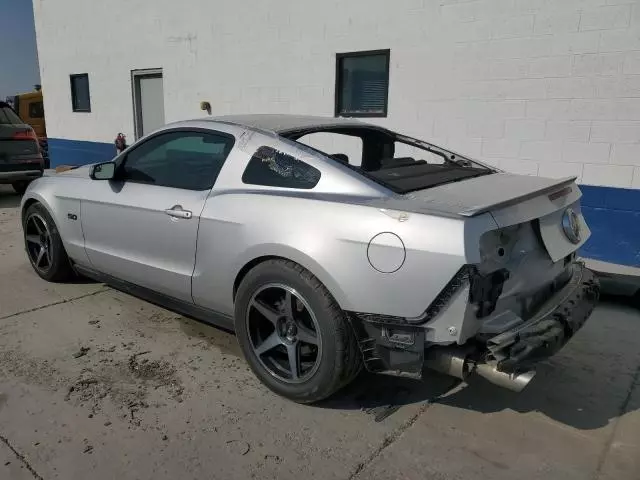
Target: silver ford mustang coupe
402,257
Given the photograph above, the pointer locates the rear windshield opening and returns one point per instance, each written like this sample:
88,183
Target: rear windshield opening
409,178
398,162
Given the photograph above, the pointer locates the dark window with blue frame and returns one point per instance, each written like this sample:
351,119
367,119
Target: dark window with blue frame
362,84
80,98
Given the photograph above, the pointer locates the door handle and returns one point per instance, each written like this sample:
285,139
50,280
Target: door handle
177,212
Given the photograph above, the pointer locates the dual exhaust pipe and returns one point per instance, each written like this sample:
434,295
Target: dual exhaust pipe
456,363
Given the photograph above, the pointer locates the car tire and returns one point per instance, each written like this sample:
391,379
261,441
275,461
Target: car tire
20,187
58,267
339,359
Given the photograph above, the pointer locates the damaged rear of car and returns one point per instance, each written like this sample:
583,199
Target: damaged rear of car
519,292
519,296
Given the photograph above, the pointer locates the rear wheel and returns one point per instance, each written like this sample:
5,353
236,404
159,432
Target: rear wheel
20,187
44,246
293,334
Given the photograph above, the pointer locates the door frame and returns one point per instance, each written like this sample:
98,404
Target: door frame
136,76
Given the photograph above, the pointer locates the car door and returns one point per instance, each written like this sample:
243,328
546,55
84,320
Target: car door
142,226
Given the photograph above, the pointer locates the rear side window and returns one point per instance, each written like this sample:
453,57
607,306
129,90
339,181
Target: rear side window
9,117
274,168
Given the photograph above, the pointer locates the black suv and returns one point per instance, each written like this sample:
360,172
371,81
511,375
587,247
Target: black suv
20,156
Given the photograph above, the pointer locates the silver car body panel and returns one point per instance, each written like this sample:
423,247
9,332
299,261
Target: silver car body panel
333,230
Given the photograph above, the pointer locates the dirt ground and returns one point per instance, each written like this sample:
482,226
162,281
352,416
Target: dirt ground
97,384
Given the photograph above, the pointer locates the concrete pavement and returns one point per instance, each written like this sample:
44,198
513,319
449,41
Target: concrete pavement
97,384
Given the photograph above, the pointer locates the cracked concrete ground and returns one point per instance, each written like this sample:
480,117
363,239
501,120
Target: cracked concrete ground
97,384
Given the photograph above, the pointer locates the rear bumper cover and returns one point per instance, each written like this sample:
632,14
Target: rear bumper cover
391,347
555,322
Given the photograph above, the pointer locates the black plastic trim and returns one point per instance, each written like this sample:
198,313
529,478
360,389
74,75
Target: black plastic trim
384,347
555,323
459,281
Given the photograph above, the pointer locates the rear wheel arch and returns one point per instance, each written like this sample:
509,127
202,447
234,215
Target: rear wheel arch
302,260
247,268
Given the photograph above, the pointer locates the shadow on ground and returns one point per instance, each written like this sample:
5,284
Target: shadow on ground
584,386
629,301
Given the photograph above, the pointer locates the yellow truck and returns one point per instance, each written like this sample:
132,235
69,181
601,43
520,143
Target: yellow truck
30,109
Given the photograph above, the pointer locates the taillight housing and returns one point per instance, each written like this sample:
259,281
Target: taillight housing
25,135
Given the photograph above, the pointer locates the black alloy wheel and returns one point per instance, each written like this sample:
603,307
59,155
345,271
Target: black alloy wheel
293,334
284,333
44,246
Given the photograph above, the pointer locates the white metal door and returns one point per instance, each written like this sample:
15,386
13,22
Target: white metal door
148,101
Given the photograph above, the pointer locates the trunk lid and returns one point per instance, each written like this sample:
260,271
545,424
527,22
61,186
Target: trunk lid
488,193
552,205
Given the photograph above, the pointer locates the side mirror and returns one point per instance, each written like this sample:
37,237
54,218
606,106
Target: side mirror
103,171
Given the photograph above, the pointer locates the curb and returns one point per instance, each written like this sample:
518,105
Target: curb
616,279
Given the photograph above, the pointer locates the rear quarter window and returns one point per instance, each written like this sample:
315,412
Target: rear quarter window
271,167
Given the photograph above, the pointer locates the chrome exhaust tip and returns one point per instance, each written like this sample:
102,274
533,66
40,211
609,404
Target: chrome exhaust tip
515,382
454,362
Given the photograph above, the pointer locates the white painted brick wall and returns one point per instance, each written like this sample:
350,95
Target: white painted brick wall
539,87
635,183
525,129
561,170
568,131
578,152
608,175
606,18
629,154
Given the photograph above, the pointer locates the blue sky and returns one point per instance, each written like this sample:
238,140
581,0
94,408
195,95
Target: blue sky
18,54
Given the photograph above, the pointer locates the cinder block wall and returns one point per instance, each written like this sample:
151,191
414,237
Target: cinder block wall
540,87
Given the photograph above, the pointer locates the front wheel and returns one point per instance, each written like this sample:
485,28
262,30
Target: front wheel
292,332
44,245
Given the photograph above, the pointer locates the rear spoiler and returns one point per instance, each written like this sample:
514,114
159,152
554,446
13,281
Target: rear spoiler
556,189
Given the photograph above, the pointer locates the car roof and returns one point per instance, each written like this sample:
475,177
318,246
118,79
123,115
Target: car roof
284,123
